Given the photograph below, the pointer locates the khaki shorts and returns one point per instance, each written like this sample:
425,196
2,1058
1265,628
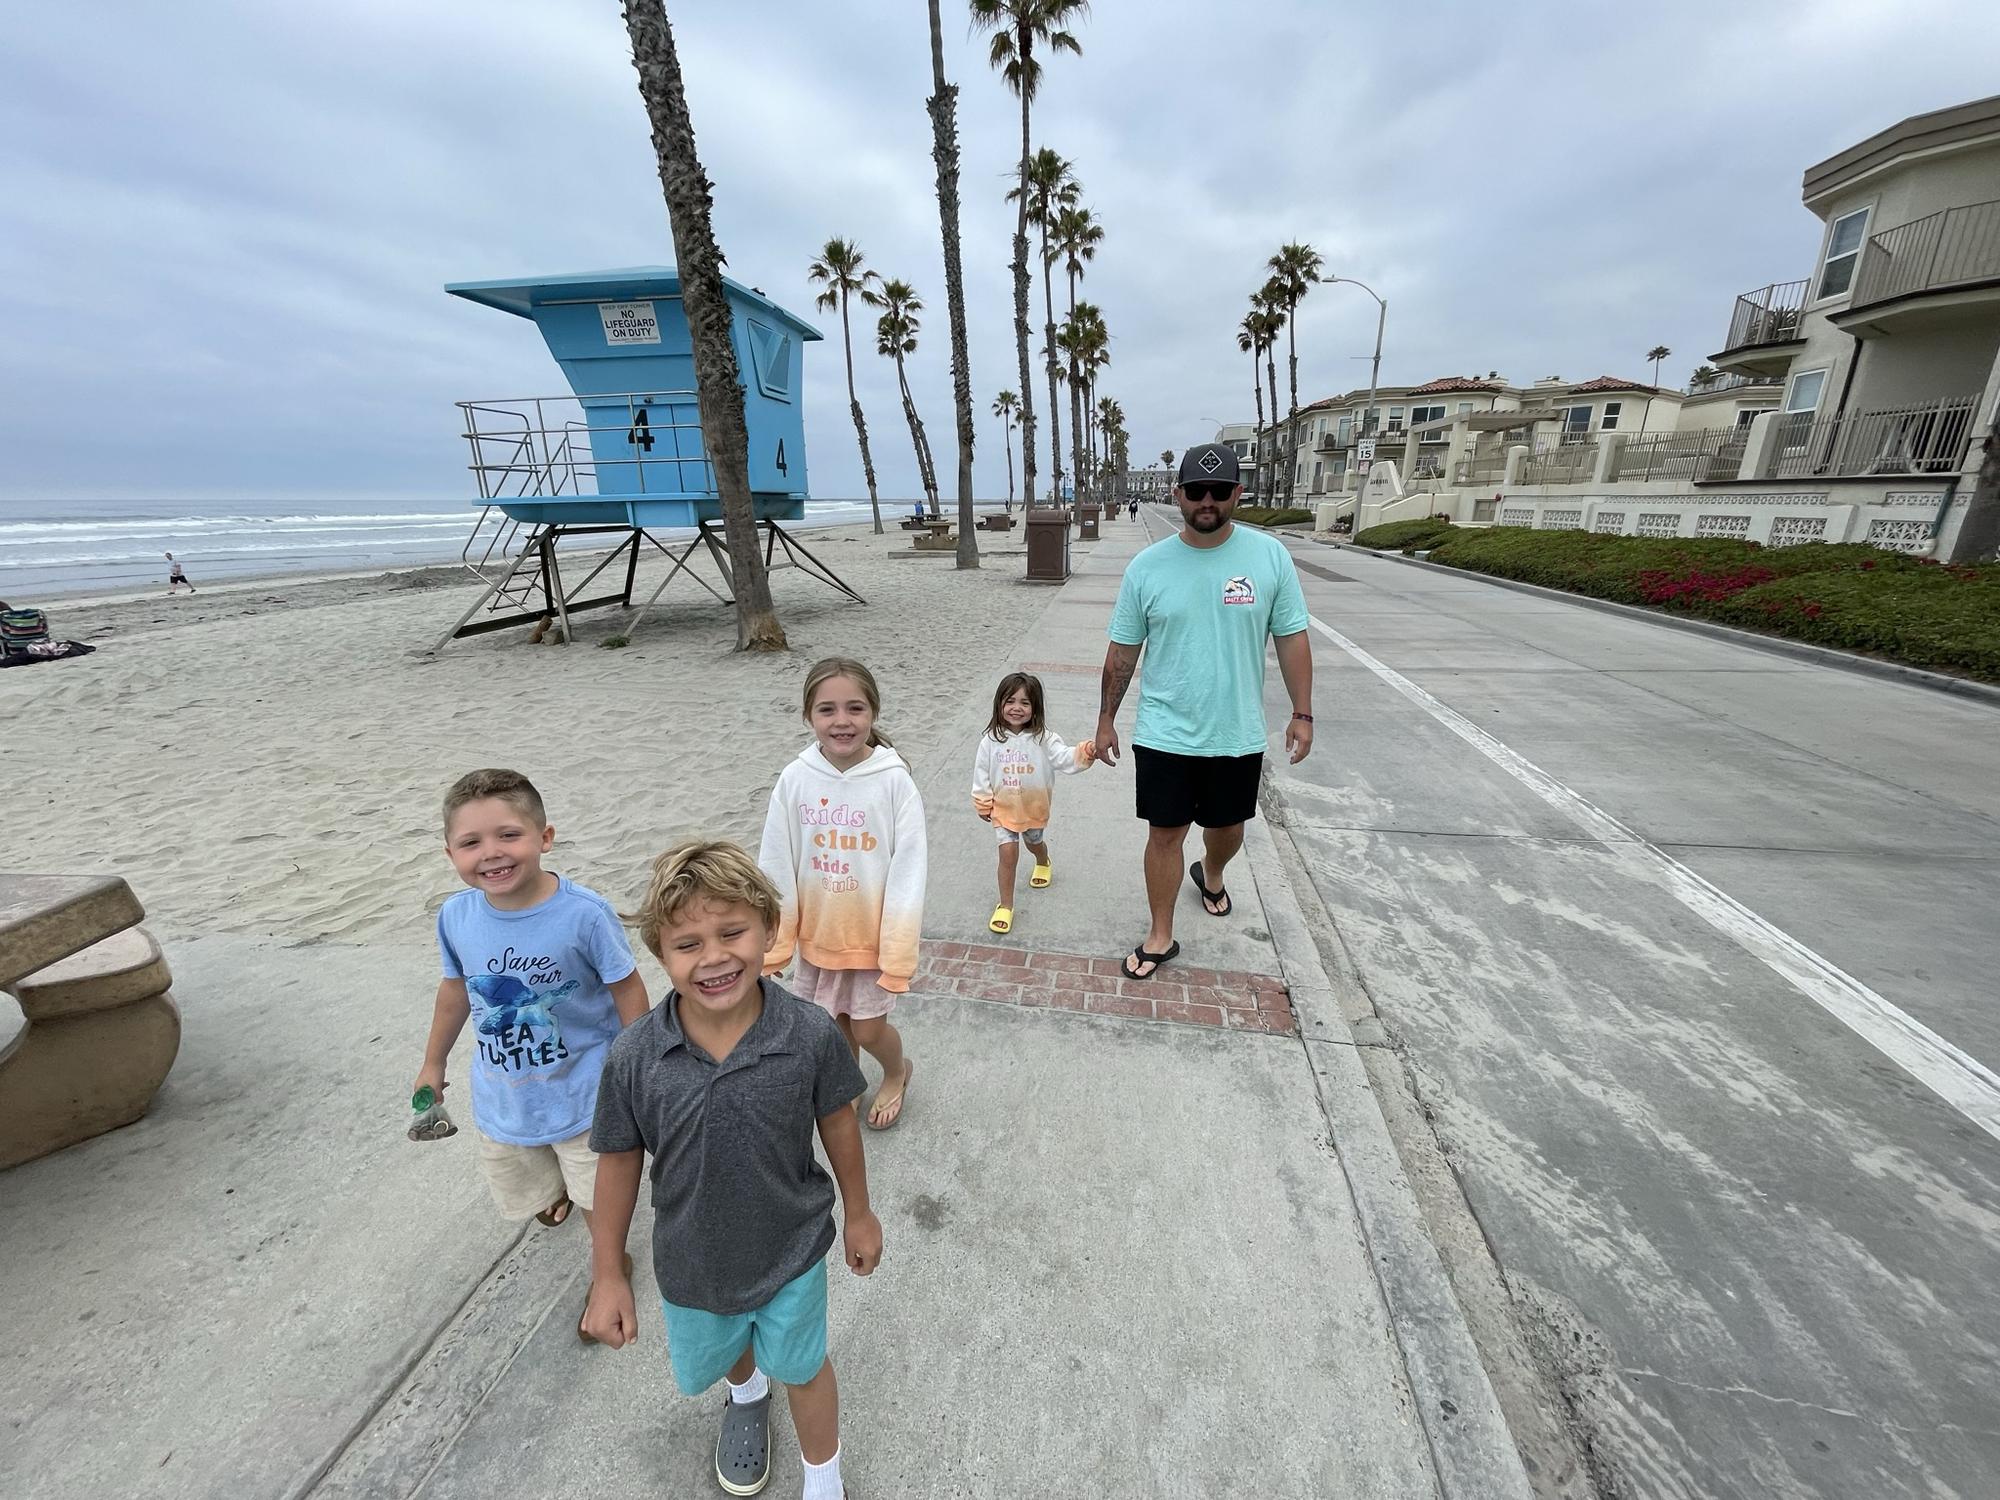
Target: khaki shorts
528,1179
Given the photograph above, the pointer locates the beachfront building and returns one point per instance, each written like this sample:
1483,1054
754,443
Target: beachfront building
1849,404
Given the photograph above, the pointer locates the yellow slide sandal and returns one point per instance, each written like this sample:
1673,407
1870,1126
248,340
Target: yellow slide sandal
1003,919
1042,876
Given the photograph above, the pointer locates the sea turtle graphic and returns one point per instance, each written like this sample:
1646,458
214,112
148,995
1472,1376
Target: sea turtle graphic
510,1003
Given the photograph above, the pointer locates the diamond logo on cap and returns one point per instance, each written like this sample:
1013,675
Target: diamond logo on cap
1209,462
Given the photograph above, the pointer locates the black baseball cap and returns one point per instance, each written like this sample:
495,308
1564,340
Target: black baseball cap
1209,463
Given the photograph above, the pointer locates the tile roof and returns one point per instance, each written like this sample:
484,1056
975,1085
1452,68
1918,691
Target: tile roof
1613,383
1454,383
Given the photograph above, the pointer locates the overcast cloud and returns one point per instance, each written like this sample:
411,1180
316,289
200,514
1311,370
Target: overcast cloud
227,224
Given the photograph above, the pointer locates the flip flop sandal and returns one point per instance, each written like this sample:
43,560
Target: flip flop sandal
901,1101
1140,955
1042,876
1217,897
1003,919
581,1336
743,1447
556,1213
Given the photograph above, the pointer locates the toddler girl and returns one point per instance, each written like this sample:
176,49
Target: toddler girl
844,844
1013,778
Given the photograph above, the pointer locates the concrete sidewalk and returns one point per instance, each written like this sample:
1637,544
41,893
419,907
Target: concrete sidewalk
1126,1252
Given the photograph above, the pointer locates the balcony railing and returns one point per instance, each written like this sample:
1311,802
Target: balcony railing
1957,247
1482,468
1561,459
1769,315
1711,453
1926,439
1720,382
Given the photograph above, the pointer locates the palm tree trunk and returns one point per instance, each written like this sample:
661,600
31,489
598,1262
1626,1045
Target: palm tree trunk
1292,422
718,381
860,422
926,475
943,107
1076,402
1007,443
1271,371
1049,350
1024,40
1257,390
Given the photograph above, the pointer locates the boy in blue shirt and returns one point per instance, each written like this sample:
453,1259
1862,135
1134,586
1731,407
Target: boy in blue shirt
541,967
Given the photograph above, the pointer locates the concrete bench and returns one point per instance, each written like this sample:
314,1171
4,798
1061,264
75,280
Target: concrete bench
996,523
936,541
102,1030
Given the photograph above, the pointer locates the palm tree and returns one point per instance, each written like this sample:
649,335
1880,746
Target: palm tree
718,381
1004,406
1250,339
1115,441
1017,26
943,107
1656,354
896,336
1270,301
1093,353
1167,464
1051,188
1295,267
1077,236
844,277
1703,375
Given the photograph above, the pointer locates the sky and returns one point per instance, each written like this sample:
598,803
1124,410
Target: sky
226,226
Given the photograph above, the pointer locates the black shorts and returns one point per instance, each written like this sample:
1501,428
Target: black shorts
1216,791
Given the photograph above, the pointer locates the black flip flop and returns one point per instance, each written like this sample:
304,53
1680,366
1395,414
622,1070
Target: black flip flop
1155,959
1220,895
556,1213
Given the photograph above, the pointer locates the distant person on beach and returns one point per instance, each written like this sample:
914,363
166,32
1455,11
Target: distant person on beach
1135,510
844,844
541,967
176,576
1013,783
725,1083
1202,603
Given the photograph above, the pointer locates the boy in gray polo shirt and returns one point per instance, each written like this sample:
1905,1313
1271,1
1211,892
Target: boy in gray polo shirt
724,1082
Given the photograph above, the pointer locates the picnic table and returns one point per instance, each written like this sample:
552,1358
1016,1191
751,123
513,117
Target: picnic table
102,1030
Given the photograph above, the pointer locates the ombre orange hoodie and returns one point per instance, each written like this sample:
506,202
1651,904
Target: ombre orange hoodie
1013,780
846,851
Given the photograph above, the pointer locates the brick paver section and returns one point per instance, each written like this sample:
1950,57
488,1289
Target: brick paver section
1231,999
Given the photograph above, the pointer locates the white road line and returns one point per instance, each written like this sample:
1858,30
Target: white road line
1963,1082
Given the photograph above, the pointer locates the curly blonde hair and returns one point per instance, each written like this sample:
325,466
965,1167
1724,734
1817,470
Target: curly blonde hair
702,870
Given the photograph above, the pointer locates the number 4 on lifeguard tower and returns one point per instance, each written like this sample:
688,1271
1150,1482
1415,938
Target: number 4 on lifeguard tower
622,455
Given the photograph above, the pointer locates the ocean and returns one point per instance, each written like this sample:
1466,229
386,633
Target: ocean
56,549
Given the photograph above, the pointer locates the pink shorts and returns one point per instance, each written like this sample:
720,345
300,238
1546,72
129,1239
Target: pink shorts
842,992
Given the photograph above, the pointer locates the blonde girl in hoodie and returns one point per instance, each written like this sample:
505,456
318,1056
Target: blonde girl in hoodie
1013,782
844,844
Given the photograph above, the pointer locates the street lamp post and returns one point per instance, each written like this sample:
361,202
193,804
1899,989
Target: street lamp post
1375,368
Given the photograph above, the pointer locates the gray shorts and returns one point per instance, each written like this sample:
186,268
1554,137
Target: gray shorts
1008,836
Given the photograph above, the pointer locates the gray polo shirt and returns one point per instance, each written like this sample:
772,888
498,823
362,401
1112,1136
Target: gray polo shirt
740,1204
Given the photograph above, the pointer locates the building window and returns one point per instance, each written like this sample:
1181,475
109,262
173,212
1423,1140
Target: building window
1611,410
1843,249
1395,419
1465,408
1805,392
1346,431
1319,475
1745,418
1576,423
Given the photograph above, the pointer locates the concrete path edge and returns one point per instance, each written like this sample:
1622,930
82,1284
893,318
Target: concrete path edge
1824,656
1471,1446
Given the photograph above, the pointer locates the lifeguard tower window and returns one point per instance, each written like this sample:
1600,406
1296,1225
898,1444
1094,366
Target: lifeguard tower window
772,351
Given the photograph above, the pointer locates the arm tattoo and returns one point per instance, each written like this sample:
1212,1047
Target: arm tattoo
1118,667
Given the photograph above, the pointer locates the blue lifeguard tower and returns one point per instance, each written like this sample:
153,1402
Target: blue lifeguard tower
623,453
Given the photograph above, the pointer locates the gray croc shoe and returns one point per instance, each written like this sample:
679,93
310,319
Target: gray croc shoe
743,1449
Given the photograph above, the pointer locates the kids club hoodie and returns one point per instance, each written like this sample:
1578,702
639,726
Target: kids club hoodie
846,851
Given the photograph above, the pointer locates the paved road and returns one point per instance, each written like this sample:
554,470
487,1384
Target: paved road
1766,1255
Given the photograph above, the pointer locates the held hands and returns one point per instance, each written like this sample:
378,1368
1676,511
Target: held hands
1106,741
1299,739
609,1316
432,1078
862,1244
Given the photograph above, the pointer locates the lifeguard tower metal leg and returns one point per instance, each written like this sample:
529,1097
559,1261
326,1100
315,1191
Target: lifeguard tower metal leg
713,535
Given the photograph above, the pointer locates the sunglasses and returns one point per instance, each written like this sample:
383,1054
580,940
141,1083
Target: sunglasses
1202,490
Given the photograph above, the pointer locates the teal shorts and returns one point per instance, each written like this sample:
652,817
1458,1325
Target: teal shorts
788,1335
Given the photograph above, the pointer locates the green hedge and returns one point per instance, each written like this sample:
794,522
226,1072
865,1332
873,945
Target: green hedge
1395,536
1851,596
1267,515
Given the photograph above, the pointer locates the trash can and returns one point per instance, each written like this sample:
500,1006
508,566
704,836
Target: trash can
1048,545
1086,522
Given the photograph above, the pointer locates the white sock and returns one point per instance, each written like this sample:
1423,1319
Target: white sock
756,1388
823,1480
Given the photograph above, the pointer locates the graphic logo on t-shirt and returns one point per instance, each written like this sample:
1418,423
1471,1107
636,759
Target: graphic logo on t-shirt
1239,590
513,1010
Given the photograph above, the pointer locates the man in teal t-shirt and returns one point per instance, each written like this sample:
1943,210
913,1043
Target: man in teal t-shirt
1202,605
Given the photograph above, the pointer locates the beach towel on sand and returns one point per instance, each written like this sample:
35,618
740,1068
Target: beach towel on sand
43,651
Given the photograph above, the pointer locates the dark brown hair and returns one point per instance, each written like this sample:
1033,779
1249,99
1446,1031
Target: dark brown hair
511,787
1012,683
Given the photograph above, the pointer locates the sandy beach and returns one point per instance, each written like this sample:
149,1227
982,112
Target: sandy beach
268,760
